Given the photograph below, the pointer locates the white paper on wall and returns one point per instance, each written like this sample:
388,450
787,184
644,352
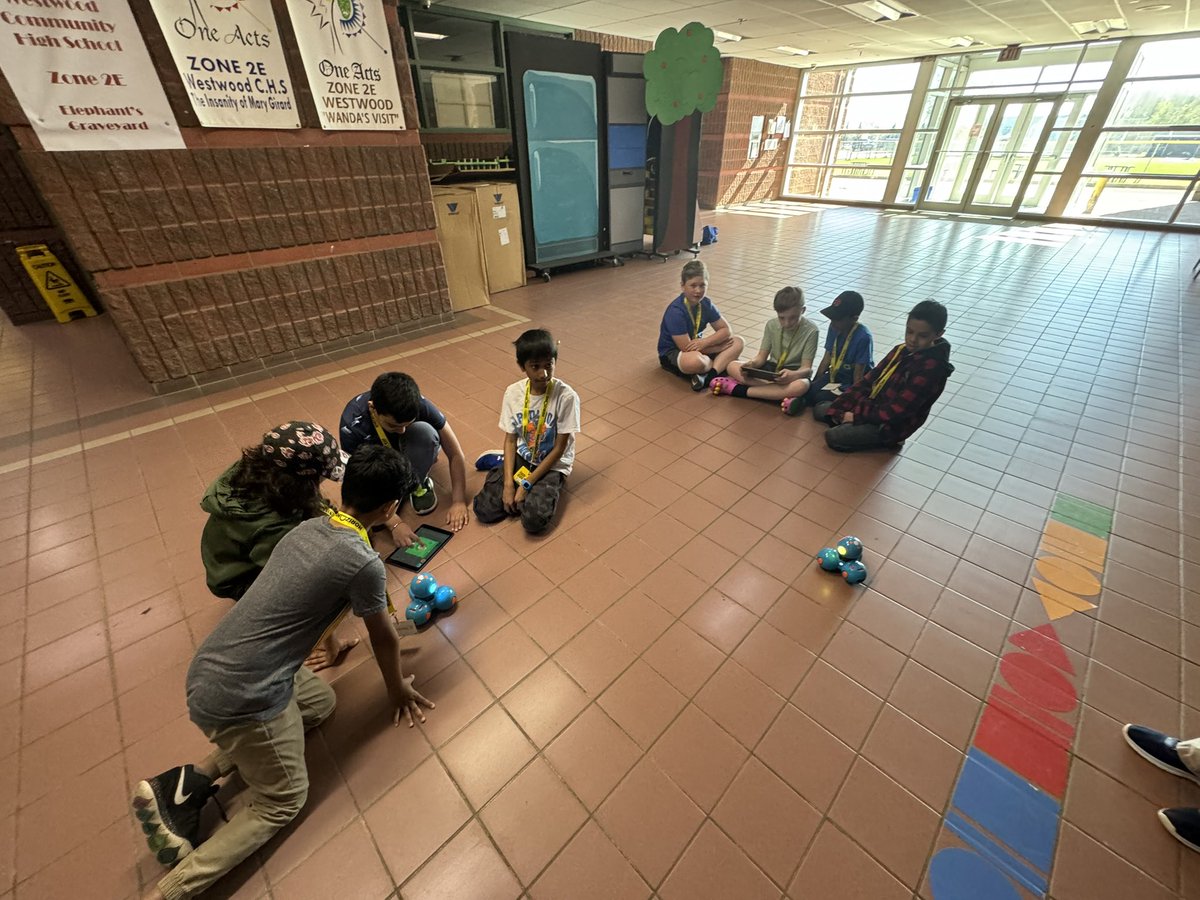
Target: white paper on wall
84,78
348,60
231,62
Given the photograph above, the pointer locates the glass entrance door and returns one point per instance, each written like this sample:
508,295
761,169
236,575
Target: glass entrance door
985,154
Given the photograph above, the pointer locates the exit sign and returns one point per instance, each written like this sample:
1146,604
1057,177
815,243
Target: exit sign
1011,52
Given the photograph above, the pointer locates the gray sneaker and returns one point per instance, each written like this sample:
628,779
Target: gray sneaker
424,499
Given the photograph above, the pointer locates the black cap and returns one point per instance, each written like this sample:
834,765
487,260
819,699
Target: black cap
847,305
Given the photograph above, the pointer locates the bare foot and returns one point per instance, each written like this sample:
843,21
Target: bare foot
329,653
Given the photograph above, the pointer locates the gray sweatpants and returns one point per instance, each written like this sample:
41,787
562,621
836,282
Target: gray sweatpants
538,509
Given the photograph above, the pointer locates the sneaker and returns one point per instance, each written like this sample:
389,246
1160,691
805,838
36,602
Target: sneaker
424,498
700,382
1183,824
1158,749
489,459
168,809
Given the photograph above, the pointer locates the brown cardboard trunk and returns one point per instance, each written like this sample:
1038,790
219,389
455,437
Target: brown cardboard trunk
458,233
500,233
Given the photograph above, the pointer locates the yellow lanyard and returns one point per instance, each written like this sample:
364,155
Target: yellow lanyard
696,318
790,347
383,438
535,440
835,364
337,517
887,372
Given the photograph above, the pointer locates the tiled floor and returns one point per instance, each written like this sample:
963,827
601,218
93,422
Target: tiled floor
663,696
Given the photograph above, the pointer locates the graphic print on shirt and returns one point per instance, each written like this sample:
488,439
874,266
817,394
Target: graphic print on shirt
525,433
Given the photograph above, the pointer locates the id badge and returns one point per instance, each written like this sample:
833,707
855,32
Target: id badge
522,474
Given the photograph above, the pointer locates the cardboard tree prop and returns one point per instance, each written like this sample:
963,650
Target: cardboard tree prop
683,78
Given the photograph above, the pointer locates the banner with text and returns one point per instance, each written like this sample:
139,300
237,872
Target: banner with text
231,62
80,70
348,59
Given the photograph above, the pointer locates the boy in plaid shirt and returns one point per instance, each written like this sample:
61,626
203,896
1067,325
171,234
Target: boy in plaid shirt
893,400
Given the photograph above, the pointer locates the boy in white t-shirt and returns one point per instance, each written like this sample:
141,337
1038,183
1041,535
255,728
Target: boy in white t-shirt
539,418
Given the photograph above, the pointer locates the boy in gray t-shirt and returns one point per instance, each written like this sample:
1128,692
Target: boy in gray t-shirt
248,689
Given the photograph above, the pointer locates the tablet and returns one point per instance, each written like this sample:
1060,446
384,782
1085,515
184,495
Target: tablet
429,541
764,374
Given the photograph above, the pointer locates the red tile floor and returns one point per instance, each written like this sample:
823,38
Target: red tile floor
663,696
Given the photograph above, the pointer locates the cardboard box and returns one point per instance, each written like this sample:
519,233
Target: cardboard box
462,249
500,233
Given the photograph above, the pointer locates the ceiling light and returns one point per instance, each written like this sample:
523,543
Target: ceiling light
1100,26
791,51
1153,7
724,36
879,11
429,36
961,41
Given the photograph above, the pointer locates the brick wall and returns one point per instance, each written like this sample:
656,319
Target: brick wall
24,219
249,247
751,88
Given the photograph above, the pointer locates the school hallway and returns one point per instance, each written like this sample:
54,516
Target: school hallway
664,695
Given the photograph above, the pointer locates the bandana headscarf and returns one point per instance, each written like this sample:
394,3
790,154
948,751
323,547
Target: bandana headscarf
304,449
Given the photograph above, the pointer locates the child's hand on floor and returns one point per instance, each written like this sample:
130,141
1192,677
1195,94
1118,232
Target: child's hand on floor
409,702
457,518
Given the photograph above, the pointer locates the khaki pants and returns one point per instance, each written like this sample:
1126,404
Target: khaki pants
1189,753
270,758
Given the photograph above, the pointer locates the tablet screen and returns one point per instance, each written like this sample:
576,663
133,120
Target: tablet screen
429,541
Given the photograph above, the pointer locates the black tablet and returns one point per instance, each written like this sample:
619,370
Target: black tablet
763,374
429,541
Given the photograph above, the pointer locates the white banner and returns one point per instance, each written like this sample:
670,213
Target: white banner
348,59
231,62
80,70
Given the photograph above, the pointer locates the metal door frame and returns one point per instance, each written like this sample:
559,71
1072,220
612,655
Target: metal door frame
966,205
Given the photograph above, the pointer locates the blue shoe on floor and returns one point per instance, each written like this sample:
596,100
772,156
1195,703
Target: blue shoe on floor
1157,749
1183,825
490,459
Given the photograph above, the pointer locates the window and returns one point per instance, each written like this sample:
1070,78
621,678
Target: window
460,99
1146,159
458,65
848,129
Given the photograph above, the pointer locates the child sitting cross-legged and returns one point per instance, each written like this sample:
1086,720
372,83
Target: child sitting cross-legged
849,354
893,400
683,347
782,367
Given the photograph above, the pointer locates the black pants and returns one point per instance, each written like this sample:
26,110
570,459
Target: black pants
537,512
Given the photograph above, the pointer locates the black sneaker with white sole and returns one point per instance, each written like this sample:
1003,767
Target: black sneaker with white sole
700,382
1158,749
1183,824
168,809
424,499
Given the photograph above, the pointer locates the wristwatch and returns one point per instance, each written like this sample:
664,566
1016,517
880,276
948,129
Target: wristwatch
527,484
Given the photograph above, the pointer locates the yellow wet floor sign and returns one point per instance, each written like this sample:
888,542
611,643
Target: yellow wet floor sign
61,294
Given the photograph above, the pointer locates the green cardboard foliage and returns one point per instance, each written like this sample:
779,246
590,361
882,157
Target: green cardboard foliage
683,73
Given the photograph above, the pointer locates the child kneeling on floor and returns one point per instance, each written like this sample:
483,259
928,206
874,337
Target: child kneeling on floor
893,400
249,692
540,418
788,346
